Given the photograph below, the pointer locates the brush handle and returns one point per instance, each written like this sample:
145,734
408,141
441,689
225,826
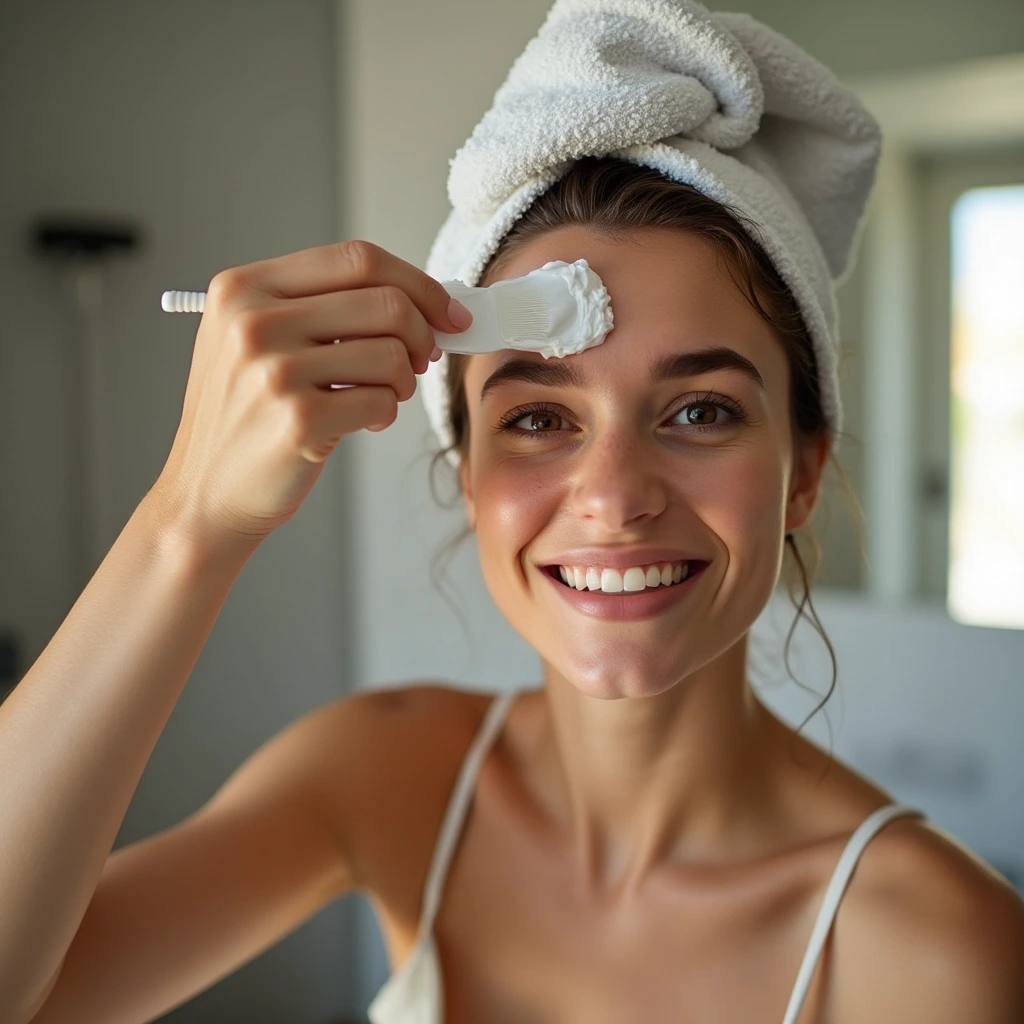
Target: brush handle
481,338
183,302
481,305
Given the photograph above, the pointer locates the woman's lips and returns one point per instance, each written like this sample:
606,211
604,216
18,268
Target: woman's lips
624,606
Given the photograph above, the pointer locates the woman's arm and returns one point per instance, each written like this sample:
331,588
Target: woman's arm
176,912
76,733
262,412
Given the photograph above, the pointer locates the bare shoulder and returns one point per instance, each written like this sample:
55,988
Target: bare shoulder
388,728
933,934
389,761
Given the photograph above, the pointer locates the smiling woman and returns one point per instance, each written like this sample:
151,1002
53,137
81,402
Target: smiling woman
636,216
632,506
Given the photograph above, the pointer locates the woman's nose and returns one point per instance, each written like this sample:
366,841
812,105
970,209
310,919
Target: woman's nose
618,483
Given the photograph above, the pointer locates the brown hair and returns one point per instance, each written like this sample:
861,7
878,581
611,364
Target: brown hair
613,197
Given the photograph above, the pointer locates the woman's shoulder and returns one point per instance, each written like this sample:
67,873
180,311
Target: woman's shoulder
931,932
374,722
388,764
428,715
426,698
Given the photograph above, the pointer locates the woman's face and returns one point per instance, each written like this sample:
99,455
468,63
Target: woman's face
632,454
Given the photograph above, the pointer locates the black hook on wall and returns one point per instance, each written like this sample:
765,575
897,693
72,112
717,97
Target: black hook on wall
76,236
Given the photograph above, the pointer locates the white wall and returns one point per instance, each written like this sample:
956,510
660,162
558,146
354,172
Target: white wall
409,100
929,708
213,124
882,35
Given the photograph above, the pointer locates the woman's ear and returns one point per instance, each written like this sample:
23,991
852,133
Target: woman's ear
467,493
806,483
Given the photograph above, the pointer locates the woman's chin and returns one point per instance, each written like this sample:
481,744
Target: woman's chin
618,677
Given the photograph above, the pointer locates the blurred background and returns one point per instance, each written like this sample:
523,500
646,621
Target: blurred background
210,134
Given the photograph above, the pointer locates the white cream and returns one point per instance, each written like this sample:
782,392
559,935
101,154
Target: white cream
558,310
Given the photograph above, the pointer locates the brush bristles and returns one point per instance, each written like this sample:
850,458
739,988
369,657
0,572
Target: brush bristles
523,315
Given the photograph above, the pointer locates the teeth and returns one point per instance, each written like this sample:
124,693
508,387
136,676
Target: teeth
611,581
632,580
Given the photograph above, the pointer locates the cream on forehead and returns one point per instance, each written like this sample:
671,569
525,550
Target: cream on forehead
558,310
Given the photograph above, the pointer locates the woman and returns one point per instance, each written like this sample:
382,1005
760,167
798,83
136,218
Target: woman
639,837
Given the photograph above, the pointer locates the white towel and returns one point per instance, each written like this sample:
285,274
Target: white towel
714,100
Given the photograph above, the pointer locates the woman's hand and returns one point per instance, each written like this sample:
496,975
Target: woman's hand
259,416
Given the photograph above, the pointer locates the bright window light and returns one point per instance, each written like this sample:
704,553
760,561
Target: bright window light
986,536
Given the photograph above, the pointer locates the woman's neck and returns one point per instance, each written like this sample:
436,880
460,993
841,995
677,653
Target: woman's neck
691,774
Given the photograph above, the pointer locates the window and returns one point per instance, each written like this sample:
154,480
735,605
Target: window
971,360
986,508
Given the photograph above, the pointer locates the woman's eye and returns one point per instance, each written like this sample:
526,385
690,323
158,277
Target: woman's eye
704,414
700,415
533,420
539,422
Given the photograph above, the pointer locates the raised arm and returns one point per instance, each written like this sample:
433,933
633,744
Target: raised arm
259,418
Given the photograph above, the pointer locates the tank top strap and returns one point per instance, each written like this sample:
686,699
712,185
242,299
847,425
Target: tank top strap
458,805
834,894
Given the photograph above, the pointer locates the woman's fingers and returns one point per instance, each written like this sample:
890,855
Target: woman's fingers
374,361
382,311
350,264
330,415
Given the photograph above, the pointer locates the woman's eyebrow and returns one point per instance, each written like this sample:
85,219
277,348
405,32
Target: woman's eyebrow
692,364
554,373
558,373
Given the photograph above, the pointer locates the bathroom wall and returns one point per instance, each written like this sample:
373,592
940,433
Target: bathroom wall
213,125
892,35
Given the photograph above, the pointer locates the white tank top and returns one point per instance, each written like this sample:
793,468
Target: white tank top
413,994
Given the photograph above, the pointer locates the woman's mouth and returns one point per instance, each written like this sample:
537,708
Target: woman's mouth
630,581
618,595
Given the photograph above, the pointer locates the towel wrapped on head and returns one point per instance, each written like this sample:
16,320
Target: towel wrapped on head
714,100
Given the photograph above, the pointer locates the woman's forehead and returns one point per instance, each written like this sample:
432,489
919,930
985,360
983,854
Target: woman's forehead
610,253
670,293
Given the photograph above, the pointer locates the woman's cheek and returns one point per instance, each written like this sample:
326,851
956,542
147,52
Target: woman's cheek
514,506
748,516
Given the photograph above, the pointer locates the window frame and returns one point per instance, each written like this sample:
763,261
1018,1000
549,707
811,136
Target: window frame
950,112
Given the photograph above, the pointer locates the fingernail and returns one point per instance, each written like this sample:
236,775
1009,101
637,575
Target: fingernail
436,354
459,315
